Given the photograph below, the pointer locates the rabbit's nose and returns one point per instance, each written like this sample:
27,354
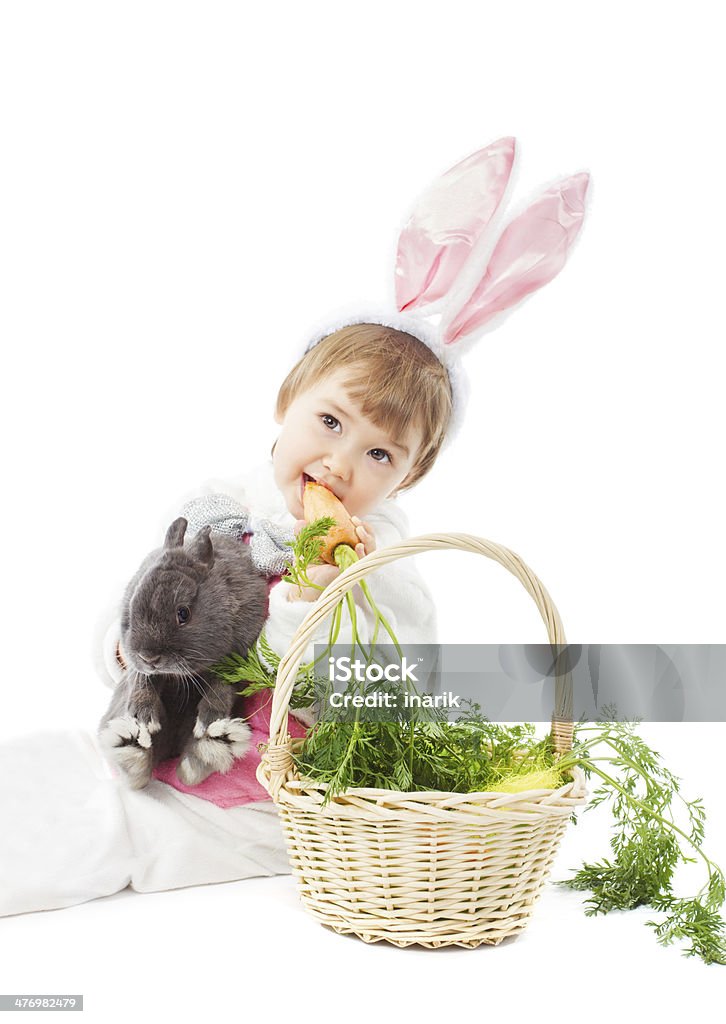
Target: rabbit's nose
150,658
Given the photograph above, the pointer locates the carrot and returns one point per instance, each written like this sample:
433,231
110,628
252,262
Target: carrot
319,501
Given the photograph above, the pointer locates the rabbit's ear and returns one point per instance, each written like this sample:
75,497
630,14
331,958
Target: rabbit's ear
531,251
446,222
201,548
175,534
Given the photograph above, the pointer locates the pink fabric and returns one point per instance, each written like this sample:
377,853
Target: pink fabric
531,251
239,785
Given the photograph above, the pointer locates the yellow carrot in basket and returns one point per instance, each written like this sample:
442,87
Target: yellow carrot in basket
549,778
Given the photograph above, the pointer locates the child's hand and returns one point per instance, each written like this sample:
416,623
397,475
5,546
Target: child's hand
365,536
320,574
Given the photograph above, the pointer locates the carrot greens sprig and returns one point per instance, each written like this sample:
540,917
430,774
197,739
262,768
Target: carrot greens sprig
648,843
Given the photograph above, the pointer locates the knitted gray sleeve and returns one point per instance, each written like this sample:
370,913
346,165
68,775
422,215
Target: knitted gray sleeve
269,545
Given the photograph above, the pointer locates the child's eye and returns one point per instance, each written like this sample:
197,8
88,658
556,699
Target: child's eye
380,455
330,421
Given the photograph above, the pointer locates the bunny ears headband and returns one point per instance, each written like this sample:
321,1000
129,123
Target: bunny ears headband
441,266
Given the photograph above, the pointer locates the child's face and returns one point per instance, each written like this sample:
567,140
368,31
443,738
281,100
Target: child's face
325,436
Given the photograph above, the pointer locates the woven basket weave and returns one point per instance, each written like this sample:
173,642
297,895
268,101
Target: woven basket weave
431,868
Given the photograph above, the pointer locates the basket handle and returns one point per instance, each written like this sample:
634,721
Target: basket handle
562,726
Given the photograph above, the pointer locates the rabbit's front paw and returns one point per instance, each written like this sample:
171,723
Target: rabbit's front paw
128,742
213,748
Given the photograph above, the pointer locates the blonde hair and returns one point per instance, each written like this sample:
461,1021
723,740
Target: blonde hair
396,380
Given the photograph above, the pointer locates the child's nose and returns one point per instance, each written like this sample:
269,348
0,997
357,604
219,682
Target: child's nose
338,465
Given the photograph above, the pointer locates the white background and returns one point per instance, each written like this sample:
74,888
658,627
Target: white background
185,189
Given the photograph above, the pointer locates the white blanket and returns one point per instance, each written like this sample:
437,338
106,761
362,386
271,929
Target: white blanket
70,831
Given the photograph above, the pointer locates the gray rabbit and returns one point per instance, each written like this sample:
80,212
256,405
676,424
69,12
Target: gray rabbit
184,610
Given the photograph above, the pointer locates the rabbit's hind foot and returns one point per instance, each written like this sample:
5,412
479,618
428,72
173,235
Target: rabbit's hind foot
213,748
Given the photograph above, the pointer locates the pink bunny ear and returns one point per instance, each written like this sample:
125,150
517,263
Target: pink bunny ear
446,222
531,251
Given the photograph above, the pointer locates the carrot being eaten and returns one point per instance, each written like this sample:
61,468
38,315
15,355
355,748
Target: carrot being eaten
319,502
330,536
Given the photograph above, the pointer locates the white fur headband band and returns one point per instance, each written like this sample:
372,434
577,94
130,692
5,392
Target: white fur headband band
446,265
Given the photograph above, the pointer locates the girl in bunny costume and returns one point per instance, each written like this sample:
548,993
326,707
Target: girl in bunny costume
366,410
399,377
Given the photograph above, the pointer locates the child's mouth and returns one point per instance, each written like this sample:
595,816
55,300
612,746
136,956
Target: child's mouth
306,478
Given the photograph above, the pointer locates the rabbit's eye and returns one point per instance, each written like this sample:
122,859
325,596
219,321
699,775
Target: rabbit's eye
182,614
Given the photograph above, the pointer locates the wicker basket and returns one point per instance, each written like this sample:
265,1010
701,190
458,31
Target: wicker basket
430,868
